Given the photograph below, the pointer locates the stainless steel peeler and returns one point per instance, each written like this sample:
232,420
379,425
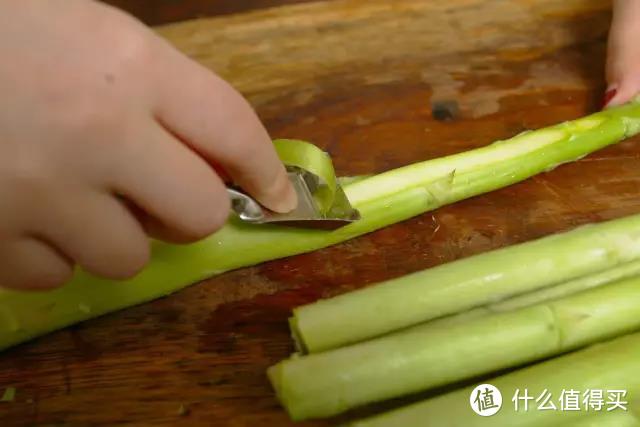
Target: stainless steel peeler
307,214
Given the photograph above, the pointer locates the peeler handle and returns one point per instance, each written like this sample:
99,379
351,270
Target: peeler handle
245,207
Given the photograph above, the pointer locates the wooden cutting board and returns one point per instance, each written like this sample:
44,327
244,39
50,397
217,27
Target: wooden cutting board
379,84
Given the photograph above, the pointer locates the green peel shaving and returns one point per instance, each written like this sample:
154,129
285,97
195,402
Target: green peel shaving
300,154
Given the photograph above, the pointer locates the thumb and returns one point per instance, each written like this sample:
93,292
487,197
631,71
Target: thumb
623,53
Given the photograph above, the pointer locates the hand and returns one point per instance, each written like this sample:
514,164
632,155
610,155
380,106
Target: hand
623,56
108,134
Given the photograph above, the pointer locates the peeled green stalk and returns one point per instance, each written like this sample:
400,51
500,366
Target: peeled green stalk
580,284
467,173
432,355
546,294
382,200
463,284
609,366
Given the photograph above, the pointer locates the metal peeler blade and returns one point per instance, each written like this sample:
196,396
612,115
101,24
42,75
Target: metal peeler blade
307,214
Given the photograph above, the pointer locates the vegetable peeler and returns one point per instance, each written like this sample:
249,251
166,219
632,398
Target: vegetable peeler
312,211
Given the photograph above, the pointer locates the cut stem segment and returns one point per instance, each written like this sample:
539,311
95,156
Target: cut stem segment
610,366
432,355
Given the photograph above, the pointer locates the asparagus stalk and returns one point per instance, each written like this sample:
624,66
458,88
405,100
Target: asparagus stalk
608,366
431,355
382,200
466,283
580,284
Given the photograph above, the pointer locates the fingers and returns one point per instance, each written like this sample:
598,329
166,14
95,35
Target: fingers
31,264
181,196
623,54
217,122
98,232
158,230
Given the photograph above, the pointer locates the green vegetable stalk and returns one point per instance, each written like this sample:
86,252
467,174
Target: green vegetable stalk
463,284
431,355
580,284
630,269
609,366
382,200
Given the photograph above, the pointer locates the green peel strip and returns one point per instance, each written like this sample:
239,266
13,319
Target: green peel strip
9,394
310,158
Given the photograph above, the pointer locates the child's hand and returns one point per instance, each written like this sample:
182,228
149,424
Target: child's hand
98,115
623,58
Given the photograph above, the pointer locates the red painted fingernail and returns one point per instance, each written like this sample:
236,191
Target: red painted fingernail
608,96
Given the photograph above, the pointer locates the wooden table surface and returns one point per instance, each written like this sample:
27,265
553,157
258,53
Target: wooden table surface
379,84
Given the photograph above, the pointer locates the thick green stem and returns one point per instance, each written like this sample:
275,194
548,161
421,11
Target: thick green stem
432,355
610,366
580,284
546,294
471,282
382,200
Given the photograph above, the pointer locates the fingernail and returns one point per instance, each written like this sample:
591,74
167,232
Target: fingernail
608,96
287,200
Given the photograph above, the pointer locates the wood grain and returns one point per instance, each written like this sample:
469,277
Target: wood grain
378,84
